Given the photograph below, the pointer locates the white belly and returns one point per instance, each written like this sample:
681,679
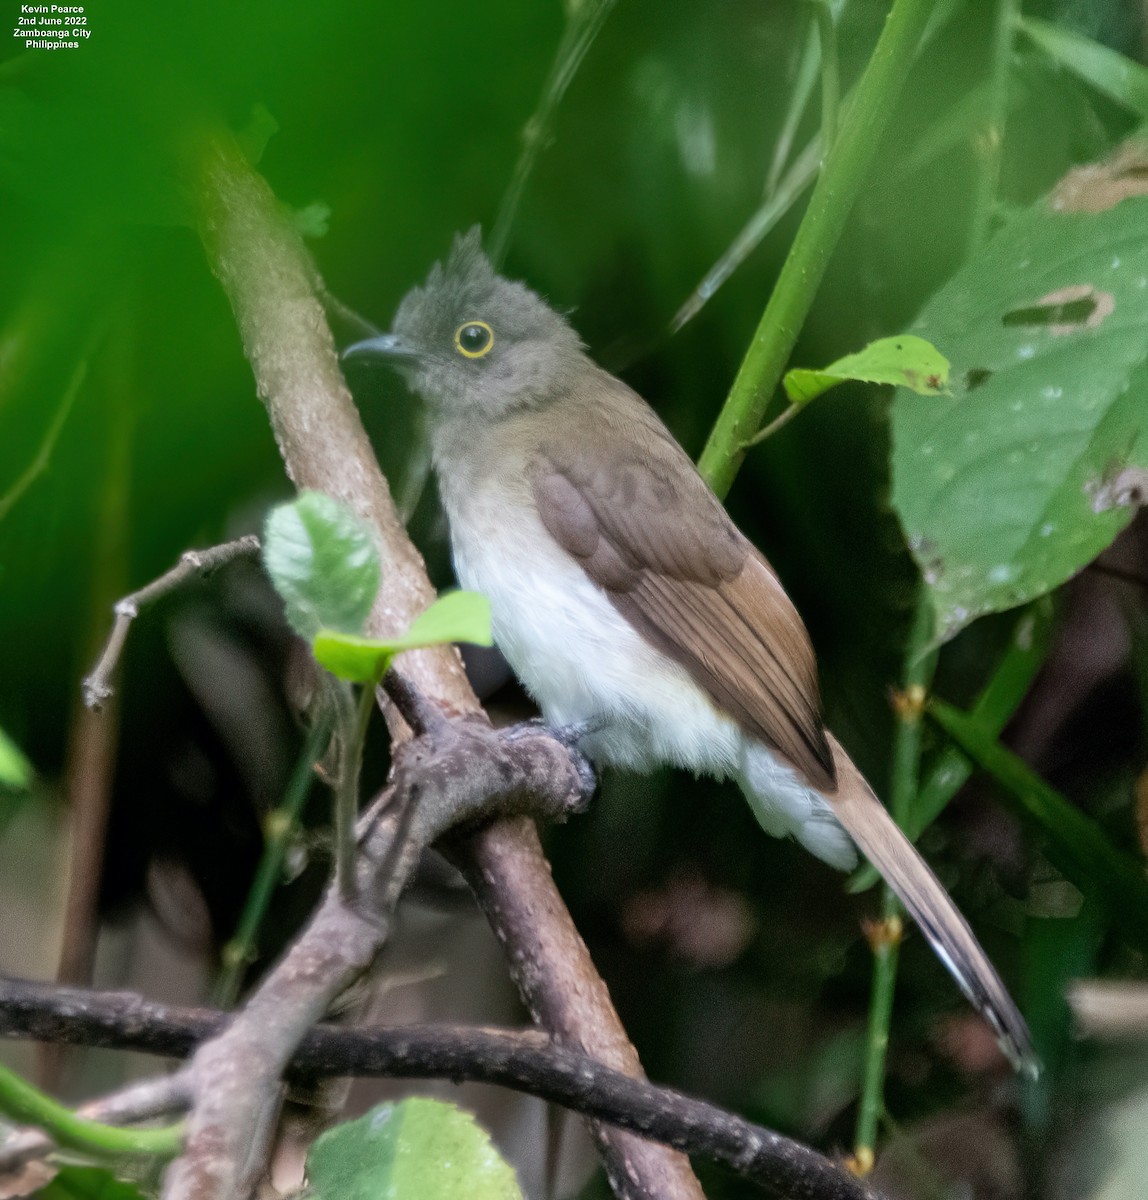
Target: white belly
581,660
578,657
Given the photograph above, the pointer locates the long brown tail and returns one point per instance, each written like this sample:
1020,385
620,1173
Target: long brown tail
907,873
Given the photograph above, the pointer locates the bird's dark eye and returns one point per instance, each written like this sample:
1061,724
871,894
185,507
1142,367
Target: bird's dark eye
474,339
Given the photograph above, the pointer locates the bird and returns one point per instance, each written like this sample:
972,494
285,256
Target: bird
624,597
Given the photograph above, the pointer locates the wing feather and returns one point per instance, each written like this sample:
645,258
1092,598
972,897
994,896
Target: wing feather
651,533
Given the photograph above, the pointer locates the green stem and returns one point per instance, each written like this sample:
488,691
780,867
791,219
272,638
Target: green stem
25,1104
920,663
1075,844
279,829
582,26
830,72
988,180
353,721
845,168
993,709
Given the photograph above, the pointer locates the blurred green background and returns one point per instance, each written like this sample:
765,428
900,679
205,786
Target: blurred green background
129,431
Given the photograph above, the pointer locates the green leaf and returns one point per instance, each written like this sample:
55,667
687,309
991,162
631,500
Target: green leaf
1075,844
1021,478
455,617
417,1150
904,361
15,770
351,656
88,1183
1119,78
323,563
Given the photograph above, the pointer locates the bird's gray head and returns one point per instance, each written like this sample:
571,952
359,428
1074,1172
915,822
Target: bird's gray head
474,344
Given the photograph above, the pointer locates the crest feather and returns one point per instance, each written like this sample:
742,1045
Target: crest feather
467,263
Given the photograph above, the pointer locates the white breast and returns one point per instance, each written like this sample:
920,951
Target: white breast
574,652
581,660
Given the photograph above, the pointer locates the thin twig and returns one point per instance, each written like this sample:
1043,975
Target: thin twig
193,563
418,712
93,737
583,22
526,1061
783,191
43,455
830,71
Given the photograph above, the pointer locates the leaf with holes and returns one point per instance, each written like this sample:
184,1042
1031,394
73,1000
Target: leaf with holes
905,361
1039,458
417,1150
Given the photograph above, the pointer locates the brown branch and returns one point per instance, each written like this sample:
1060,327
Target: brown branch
526,1061
98,685
461,770
269,280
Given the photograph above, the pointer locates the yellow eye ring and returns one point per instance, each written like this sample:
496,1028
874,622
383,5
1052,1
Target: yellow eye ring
474,339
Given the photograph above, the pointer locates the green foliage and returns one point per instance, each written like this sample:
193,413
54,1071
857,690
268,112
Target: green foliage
1116,76
456,617
88,1183
1012,484
324,565
121,374
1075,844
15,770
993,709
417,1150
904,361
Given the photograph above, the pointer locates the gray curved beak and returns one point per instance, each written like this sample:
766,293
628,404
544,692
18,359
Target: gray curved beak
386,345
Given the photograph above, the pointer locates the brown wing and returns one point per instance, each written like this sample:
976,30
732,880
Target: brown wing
627,503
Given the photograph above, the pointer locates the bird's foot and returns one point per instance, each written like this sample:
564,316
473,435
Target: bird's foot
570,736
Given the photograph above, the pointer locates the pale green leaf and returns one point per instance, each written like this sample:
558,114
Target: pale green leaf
323,562
904,361
456,617
416,1150
351,656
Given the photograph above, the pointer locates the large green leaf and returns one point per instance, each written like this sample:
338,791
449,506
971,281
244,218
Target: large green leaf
417,1150
323,562
1030,469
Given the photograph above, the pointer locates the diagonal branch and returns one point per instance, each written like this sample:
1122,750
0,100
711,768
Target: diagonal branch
270,282
461,771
